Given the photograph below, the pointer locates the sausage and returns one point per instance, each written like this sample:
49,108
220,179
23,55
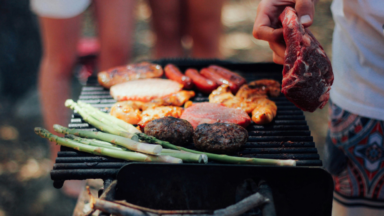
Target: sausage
173,73
218,79
203,84
229,75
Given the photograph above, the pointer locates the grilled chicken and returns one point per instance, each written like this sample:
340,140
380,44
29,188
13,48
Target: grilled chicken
224,96
129,72
159,112
131,111
259,88
144,89
263,110
176,99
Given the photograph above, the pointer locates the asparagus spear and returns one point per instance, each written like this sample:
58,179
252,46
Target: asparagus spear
125,155
185,156
110,119
118,140
217,157
99,123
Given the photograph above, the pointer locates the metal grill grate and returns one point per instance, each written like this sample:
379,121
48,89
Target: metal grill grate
287,137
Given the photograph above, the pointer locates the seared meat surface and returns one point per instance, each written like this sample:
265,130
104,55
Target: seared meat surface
129,72
174,130
220,138
200,113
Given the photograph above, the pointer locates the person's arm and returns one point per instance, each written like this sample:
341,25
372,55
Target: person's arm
268,27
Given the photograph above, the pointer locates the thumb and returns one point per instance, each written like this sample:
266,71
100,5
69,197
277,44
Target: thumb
305,10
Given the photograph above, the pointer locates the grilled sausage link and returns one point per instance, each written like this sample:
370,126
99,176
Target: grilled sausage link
173,73
219,79
203,84
229,75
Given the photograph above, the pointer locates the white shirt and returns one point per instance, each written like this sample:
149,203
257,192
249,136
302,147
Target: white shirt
358,57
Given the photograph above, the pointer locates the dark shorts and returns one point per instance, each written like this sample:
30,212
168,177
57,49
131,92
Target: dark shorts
354,155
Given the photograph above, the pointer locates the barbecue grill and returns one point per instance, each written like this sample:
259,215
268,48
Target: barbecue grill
287,137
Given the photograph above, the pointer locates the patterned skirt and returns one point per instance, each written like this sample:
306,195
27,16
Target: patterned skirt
354,155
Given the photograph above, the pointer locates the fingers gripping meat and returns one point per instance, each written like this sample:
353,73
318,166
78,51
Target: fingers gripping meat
307,73
173,73
129,72
203,84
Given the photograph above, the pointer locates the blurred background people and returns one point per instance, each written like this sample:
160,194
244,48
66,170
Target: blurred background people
192,21
60,27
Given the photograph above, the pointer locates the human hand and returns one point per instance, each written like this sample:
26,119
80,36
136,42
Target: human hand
268,27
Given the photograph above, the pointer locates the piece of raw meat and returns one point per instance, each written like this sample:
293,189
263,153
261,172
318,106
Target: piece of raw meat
200,113
307,73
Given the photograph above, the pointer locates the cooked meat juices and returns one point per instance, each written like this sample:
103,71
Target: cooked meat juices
221,138
174,130
307,73
200,113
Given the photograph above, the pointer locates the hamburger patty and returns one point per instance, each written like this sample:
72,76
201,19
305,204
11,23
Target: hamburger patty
200,113
174,130
220,137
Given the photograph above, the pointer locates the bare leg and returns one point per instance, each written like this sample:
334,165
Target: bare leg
59,37
115,22
204,18
166,22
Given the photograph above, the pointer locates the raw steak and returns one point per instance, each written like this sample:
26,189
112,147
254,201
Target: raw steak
144,89
200,113
307,73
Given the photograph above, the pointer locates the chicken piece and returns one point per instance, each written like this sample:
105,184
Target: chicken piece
259,88
136,71
175,99
159,112
224,96
130,111
264,111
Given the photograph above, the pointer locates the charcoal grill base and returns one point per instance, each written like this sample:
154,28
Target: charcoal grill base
296,191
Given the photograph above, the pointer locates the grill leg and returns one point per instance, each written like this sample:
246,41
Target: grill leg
107,182
58,184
